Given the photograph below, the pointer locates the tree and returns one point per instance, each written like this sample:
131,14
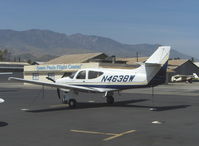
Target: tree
29,61
5,55
1,55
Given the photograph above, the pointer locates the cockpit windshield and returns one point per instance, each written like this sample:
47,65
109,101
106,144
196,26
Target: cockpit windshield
81,75
72,75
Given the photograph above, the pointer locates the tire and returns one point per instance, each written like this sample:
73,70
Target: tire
72,103
190,81
110,99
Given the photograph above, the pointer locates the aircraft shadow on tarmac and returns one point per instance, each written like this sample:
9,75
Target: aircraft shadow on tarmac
2,124
127,103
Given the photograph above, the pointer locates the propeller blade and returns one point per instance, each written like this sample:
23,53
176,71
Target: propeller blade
50,79
58,93
58,90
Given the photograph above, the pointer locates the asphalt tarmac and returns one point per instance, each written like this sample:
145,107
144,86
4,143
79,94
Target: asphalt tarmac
31,117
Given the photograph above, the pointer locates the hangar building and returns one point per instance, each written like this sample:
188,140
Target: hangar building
67,64
183,67
176,66
15,68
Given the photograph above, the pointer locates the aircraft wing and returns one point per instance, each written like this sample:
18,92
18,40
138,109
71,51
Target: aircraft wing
55,85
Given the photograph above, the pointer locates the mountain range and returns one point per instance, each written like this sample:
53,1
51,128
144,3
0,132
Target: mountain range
42,45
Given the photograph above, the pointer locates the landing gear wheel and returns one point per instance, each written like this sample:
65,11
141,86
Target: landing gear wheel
72,103
190,81
110,99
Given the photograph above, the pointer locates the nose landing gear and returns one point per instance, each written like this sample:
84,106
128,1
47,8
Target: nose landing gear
72,103
109,97
68,100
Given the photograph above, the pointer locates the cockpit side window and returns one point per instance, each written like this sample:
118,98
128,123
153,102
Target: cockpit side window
94,74
81,75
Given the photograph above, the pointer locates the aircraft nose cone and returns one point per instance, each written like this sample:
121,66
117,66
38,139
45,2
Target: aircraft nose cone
57,81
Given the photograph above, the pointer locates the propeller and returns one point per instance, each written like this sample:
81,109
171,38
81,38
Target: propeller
58,90
50,79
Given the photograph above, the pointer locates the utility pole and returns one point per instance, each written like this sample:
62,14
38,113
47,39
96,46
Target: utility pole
137,56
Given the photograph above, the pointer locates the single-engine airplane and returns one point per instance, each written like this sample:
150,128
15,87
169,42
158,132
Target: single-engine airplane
107,81
185,78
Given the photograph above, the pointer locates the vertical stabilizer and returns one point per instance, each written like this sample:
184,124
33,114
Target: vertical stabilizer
155,66
160,56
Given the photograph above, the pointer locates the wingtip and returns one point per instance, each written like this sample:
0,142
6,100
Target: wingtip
10,78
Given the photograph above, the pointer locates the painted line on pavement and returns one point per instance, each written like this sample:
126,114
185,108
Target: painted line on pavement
112,135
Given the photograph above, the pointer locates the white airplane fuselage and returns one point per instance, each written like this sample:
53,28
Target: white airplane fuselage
116,79
110,79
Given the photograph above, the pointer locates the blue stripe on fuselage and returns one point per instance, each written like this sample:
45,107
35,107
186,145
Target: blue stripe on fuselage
117,87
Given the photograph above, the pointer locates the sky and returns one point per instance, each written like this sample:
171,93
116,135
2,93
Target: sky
166,22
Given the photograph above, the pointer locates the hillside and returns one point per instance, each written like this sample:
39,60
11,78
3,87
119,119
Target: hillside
43,45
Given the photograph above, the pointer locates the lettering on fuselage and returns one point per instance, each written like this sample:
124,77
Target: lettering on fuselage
118,78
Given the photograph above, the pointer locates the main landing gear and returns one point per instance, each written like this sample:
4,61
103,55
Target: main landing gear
69,98
71,102
109,97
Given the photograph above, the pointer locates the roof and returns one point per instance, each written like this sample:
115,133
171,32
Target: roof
133,60
37,63
177,62
15,63
173,64
75,58
197,64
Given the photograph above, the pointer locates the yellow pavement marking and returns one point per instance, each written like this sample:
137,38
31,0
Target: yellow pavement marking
120,134
112,135
91,132
59,105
